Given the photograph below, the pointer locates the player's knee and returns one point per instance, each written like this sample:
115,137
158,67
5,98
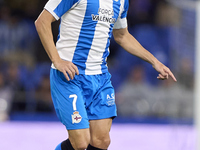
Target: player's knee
79,139
81,144
101,142
106,142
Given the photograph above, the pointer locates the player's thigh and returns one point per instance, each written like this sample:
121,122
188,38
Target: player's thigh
79,138
103,105
99,132
68,101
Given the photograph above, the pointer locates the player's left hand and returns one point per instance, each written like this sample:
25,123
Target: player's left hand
164,72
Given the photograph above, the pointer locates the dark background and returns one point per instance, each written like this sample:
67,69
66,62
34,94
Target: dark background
165,30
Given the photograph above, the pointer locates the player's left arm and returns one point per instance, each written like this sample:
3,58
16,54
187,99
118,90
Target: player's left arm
131,45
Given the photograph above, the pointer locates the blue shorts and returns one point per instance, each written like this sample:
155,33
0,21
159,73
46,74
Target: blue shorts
86,97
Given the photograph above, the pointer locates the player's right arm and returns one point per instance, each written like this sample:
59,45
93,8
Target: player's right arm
43,26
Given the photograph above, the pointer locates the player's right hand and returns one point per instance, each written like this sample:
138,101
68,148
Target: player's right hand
67,68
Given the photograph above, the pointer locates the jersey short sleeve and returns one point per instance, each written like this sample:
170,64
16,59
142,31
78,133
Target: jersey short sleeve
122,21
59,7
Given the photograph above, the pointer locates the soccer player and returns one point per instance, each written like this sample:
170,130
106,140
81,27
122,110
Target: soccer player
81,89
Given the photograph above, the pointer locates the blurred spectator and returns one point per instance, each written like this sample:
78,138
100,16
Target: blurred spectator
6,97
30,8
185,74
137,99
172,100
167,99
166,14
43,96
134,96
142,12
13,81
16,34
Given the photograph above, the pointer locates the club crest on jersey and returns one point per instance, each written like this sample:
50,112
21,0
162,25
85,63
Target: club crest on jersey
76,117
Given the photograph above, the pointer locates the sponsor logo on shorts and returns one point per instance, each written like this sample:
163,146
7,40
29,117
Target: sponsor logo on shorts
110,99
76,117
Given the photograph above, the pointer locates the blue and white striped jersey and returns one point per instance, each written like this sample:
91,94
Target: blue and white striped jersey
85,30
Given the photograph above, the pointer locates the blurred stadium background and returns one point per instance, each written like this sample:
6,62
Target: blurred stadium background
152,114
